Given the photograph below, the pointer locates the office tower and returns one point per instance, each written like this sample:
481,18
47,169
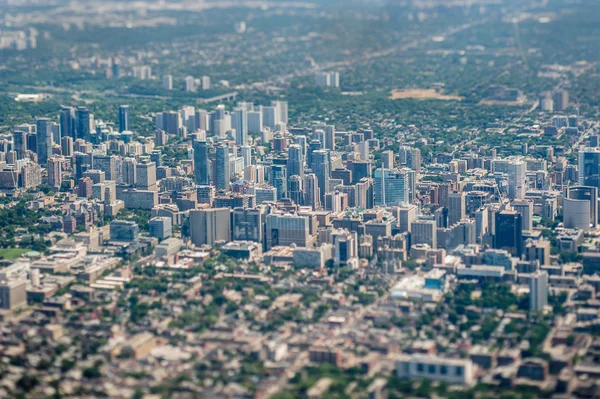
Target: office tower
295,163
589,167
279,180
167,82
210,226
387,160
328,138
538,291
66,144
83,123
360,170
314,145
160,227
296,189
205,82
286,229
345,246
20,143
189,84
129,171
222,168
44,140
525,209
312,195
413,159
269,117
201,162
67,122
123,118
423,232
391,187
412,185
248,224
246,155
406,215
146,176
456,207
320,168
107,164
481,223
282,110
363,151
508,232
589,194
538,250
365,195
561,100
255,122
54,172
239,121
516,169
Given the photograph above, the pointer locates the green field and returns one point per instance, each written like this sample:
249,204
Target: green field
12,253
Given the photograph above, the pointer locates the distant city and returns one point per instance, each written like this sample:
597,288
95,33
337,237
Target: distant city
243,200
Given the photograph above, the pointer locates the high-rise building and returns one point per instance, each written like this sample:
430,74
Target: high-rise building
222,169
66,145
20,143
312,195
45,140
282,110
575,214
167,82
296,189
456,207
201,162
248,224
107,164
391,187
413,159
525,209
508,232
67,122
287,229
83,123
54,172
589,167
561,100
387,160
295,163
210,226
129,171
146,176
345,246
239,121
279,180
424,232
124,230
189,84
516,170
538,291
320,167
123,118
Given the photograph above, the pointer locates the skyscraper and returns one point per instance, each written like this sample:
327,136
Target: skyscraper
589,167
129,171
391,187
67,122
167,82
320,167
123,118
516,169
424,232
279,180
295,163
146,176
222,170
456,207
538,291
312,195
44,140
54,172
20,143
107,164
239,121
201,162
509,232
82,123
